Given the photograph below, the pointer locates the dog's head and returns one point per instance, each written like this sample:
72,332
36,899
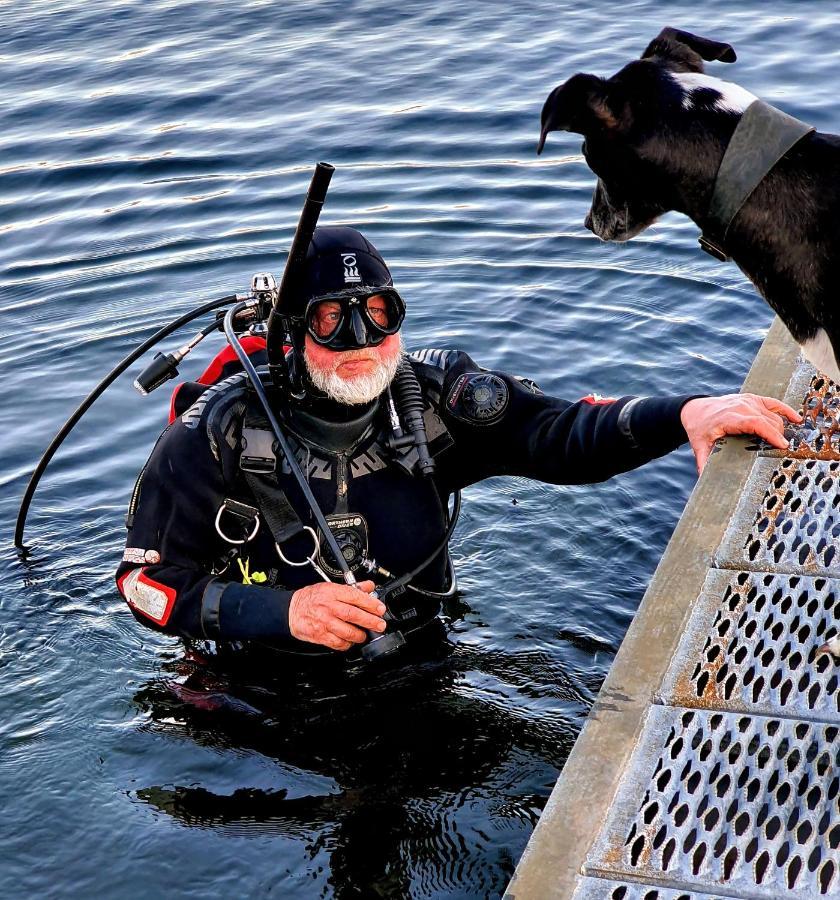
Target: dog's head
644,129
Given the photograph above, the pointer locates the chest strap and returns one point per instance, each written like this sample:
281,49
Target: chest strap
258,466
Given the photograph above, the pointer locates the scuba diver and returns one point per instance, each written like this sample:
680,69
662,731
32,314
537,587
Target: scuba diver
222,542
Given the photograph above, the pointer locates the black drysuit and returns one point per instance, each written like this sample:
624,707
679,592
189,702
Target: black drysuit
479,424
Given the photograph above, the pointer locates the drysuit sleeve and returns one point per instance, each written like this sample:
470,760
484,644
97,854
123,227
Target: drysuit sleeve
165,575
504,425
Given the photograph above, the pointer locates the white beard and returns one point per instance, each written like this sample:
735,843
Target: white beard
358,390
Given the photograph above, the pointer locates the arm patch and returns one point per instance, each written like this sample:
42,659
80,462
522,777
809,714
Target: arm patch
479,398
147,596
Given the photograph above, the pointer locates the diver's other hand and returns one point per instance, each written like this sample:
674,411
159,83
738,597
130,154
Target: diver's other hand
707,419
335,614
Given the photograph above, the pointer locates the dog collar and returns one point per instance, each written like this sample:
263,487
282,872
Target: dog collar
760,140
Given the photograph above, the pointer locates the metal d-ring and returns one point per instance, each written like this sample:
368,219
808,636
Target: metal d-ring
309,560
230,540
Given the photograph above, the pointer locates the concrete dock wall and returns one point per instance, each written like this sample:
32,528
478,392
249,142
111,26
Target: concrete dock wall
709,765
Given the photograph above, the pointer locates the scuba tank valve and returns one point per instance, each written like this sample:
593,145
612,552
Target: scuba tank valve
165,365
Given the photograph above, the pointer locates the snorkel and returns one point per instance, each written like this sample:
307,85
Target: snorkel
279,327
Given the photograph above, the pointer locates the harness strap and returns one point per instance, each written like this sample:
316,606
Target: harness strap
258,466
760,140
258,454
283,522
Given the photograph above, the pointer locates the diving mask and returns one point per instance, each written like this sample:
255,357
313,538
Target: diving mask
349,320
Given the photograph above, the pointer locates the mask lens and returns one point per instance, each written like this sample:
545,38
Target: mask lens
385,311
347,321
325,318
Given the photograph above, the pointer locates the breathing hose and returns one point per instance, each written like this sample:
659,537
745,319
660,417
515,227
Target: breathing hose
83,407
406,389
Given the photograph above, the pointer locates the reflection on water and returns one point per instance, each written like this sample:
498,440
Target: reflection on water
359,747
154,155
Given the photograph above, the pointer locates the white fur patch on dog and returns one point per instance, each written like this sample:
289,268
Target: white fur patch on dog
819,352
733,98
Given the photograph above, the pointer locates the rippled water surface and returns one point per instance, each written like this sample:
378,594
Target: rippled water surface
155,154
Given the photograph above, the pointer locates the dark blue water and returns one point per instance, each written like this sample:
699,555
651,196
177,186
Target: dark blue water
154,154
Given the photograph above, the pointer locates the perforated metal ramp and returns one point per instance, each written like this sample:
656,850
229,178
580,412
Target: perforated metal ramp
724,740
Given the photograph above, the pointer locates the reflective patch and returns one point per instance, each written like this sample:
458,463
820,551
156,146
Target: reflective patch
139,556
478,397
149,597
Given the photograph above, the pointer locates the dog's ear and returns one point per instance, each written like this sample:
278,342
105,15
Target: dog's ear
686,52
583,104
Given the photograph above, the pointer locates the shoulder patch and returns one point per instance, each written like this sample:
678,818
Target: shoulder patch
480,398
437,358
149,597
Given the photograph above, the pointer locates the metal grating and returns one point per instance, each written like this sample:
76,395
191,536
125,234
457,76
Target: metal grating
819,435
600,889
744,804
733,790
752,646
797,526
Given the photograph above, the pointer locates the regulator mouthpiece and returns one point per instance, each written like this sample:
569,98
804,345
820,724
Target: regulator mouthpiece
382,645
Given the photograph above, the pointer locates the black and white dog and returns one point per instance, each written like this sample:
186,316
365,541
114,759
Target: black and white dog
655,134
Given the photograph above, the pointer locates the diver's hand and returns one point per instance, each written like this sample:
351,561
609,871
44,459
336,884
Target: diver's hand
707,419
330,614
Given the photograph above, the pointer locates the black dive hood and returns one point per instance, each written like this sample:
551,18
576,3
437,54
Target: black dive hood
339,261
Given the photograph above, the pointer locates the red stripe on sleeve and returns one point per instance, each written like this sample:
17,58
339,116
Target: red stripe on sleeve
597,400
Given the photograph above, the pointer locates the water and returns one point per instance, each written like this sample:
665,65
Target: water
155,154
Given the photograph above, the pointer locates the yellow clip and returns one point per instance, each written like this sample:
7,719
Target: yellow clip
259,577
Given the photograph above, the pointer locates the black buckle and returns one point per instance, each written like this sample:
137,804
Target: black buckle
241,510
713,248
258,454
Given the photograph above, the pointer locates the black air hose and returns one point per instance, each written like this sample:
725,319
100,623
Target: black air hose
67,427
409,401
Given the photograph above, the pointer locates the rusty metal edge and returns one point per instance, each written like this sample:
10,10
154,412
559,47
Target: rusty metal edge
577,808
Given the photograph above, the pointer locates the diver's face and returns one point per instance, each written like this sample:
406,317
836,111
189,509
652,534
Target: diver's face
348,364
353,376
